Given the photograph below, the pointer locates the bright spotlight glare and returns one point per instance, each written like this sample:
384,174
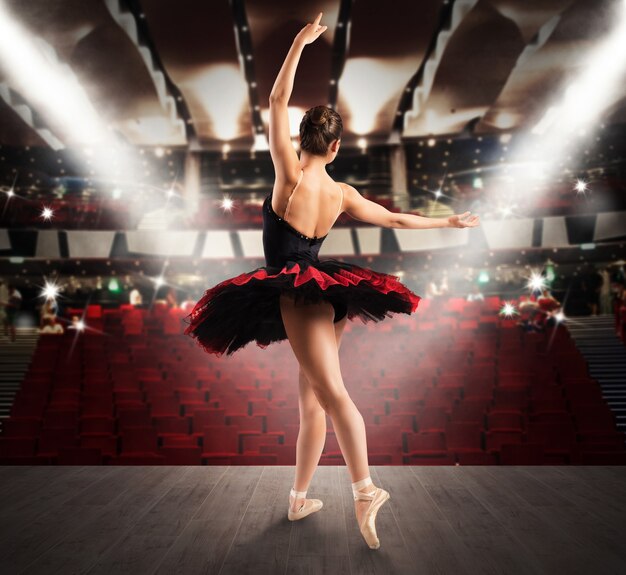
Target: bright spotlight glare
158,282
508,309
580,186
80,325
227,204
46,214
50,291
536,282
559,316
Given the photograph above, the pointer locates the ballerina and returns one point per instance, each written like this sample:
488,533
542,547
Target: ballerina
307,300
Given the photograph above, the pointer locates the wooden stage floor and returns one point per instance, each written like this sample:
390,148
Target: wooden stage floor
224,520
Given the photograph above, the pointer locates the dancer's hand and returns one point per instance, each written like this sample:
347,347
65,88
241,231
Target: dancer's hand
311,31
463,221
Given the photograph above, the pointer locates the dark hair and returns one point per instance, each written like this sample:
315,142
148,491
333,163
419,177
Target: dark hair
318,128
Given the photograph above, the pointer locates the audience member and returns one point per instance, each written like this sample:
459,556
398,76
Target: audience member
50,325
475,294
13,305
135,297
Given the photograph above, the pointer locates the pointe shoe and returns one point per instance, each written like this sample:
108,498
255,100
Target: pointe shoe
309,506
368,522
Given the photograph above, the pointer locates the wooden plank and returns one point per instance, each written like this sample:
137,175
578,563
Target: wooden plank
144,546
393,555
488,546
598,518
25,481
562,515
26,543
543,545
204,544
63,483
261,544
322,534
84,542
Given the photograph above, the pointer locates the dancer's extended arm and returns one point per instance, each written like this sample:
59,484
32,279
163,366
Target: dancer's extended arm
283,154
362,209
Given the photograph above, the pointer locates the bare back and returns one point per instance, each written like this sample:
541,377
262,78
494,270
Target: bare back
312,207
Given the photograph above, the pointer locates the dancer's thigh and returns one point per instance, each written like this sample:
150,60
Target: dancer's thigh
309,404
313,338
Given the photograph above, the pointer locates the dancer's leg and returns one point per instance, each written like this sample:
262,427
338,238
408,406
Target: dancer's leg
311,336
312,433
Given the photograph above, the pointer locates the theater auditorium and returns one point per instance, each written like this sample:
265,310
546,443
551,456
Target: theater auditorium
460,408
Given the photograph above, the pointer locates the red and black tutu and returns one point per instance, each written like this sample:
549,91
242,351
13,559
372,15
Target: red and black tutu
246,308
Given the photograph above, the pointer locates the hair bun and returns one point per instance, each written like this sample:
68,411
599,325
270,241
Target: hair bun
318,116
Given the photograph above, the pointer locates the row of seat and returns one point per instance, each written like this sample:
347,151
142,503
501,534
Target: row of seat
431,399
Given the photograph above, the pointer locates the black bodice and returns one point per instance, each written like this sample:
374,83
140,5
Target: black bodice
282,242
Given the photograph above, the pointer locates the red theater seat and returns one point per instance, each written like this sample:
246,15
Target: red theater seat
431,419
426,445
463,437
79,456
51,440
218,440
469,411
17,446
504,421
171,425
97,424
185,455
106,443
253,441
521,454
285,454
495,439
246,422
135,417
21,427
138,440
591,418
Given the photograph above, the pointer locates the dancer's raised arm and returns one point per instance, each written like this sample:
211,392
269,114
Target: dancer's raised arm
283,154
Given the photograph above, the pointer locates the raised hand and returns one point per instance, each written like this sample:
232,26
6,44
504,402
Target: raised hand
463,221
311,31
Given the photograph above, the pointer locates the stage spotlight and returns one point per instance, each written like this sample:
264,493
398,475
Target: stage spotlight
50,291
227,204
536,282
159,152
46,214
508,310
580,186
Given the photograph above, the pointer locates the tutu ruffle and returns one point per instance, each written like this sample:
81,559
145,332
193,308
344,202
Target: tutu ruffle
246,308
